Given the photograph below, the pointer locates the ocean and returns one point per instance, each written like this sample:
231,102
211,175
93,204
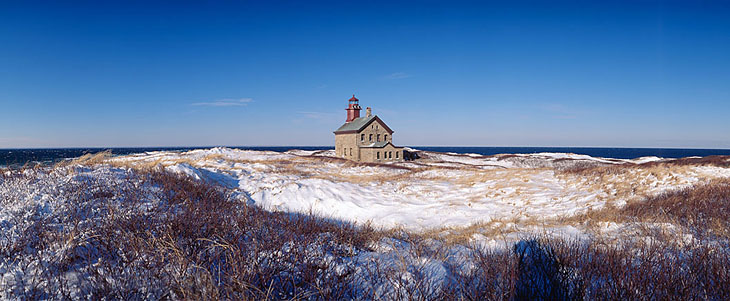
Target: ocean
19,157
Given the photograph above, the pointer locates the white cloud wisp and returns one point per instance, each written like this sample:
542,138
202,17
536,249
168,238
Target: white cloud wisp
225,102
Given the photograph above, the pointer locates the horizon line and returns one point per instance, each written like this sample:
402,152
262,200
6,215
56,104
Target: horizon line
332,146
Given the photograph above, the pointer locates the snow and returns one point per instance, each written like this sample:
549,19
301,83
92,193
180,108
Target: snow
186,169
511,194
643,160
569,156
427,203
436,192
50,197
440,190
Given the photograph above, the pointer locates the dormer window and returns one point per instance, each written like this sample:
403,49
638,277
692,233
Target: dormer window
385,138
362,137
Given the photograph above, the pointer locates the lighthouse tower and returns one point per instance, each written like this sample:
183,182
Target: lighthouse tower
353,109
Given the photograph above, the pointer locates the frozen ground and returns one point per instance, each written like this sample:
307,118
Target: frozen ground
50,217
439,190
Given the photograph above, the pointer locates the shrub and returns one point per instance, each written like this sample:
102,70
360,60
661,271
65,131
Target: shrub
149,234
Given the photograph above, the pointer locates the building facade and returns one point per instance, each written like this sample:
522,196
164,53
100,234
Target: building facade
365,139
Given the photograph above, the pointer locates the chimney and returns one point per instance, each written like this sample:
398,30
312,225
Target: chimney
368,112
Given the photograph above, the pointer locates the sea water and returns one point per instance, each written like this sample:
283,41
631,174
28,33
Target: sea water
19,157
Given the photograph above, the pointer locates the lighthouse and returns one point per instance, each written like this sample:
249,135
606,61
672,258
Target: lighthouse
353,109
365,139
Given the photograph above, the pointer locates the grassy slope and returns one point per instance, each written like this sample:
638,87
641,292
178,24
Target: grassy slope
147,234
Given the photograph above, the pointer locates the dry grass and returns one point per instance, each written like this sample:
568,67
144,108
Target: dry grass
611,182
701,210
310,166
632,182
88,159
494,228
669,164
705,208
719,161
198,243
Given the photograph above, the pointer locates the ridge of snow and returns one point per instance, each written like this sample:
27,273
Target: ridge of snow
431,197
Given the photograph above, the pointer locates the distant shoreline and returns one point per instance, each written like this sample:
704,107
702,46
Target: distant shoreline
19,157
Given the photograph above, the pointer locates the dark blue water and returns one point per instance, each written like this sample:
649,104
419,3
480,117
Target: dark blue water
19,157
619,153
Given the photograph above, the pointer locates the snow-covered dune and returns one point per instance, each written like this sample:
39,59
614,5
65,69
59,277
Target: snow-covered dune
438,190
82,229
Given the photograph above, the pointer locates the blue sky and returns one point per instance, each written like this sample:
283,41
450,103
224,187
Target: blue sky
507,73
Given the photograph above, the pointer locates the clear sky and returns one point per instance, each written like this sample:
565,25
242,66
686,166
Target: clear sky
507,73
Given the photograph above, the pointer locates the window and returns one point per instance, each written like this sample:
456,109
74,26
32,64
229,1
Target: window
362,137
385,138
396,155
390,155
371,137
377,155
351,151
378,137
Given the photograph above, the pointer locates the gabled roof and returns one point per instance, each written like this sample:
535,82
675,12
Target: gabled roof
358,124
